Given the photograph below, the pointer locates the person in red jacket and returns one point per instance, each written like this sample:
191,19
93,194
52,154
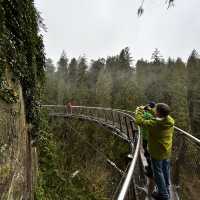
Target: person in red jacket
69,106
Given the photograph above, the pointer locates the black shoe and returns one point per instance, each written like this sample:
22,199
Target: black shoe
148,172
158,196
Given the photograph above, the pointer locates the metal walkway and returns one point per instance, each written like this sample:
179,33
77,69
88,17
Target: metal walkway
185,160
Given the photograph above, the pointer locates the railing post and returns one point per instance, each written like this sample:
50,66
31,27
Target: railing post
96,113
120,122
79,111
112,115
105,115
127,129
133,129
87,112
178,163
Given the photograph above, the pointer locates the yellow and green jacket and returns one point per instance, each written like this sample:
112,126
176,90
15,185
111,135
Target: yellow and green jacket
160,133
144,131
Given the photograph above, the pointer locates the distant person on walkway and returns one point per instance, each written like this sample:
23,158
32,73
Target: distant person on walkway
147,114
69,106
160,130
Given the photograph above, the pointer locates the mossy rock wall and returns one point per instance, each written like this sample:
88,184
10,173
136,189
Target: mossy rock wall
16,153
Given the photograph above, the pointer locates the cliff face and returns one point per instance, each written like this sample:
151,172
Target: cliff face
15,149
22,63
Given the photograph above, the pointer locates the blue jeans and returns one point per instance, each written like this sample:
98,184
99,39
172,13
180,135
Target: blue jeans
161,170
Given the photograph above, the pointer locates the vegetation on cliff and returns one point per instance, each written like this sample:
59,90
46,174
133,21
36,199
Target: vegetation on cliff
21,53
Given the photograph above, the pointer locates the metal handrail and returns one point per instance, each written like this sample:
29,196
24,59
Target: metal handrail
129,176
97,108
188,135
62,106
108,109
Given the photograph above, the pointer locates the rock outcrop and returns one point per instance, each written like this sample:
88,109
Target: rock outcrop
16,154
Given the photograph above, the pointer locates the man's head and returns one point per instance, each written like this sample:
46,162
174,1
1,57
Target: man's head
162,110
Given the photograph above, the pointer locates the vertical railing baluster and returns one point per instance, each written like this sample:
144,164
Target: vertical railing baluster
133,129
127,129
113,120
98,116
120,122
96,113
105,115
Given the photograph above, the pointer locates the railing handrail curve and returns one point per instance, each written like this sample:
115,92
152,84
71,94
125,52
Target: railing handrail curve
188,135
130,114
129,176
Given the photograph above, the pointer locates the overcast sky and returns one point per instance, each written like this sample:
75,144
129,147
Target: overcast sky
99,28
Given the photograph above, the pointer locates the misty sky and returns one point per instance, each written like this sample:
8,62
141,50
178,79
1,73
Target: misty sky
99,28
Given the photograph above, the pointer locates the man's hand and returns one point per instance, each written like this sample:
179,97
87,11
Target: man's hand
140,109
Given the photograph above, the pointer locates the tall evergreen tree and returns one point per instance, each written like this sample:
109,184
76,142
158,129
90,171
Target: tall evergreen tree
156,57
125,60
104,89
176,90
62,66
72,70
193,73
50,86
50,68
112,64
82,73
96,67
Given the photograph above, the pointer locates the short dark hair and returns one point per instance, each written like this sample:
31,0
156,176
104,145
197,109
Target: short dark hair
163,109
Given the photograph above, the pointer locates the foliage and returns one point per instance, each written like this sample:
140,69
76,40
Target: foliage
63,153
7,93
22,51
104,89
193,74
110,82
165,82
113,82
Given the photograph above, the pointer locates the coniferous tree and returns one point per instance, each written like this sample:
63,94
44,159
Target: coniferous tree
125,60
82,89
82,73
176,89
62,66
104,89
96,67
50,68
112,64
72,70
50,87
193,73
156,57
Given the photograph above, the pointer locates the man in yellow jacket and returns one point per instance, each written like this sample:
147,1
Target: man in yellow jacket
160,131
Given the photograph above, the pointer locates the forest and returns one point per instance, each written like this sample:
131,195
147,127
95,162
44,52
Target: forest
109,82
71,155
114,82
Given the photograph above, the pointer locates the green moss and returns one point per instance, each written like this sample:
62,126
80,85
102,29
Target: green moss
22,53
8,94
4,172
